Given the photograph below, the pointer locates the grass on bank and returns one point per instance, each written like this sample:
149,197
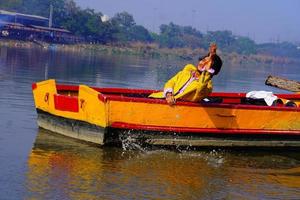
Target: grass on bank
152,50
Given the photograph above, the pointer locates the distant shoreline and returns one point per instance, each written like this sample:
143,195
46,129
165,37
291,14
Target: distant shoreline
151,51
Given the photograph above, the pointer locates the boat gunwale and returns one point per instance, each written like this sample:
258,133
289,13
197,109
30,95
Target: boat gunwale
114,96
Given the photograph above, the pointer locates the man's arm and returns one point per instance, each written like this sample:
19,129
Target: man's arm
170,84
169,89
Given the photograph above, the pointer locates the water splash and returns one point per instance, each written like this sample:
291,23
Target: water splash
214,158
130,143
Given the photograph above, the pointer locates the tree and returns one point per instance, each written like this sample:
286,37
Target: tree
12,5
140,33
171,30
192,31
173,36
124,20
244,45
222,38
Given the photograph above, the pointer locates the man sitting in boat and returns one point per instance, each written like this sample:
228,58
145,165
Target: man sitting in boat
192,83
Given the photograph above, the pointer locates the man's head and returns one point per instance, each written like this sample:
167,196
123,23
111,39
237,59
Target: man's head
213,48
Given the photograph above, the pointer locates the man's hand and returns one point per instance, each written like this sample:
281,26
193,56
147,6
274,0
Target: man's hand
170,98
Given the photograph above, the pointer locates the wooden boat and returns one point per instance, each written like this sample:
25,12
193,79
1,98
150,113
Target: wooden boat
107,115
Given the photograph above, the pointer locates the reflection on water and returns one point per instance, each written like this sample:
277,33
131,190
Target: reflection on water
63,168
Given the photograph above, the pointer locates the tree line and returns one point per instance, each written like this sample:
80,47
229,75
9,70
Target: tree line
122,29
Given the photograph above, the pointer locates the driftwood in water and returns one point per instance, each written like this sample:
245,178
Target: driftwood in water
283,83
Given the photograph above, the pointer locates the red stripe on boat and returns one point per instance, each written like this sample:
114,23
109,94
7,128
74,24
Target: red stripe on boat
66,103
33,86
232,100
122,125
67,87
102,97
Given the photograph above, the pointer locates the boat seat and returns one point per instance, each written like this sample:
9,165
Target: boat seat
212,100
251,101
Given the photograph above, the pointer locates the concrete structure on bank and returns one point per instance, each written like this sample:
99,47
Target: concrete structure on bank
21,26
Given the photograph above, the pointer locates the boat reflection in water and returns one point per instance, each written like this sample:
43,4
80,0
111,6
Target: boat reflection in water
63,168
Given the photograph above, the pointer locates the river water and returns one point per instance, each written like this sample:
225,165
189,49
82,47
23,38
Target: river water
36,164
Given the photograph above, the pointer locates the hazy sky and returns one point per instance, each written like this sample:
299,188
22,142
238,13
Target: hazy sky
261,20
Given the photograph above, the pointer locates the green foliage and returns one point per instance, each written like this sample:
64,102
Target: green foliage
35,7
284,49
124,20
173,36
10,4
222,38
124,29
244,45
140,33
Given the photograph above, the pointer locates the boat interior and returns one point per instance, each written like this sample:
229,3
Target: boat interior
124,94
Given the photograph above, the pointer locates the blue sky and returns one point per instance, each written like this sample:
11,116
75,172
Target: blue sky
261,20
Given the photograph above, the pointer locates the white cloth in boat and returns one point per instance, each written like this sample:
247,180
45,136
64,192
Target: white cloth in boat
269,97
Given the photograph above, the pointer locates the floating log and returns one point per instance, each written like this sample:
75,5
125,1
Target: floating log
283,83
